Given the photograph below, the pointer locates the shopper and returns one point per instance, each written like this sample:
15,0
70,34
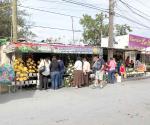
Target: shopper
132,64
112,70
127,61
122,71
78,73
98,68
62,71
86,71
55,73
41,69
46,73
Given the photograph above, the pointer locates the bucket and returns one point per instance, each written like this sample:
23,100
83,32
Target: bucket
118,79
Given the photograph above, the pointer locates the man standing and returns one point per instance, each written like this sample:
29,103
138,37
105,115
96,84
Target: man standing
62,71
98,68
86,71
55,73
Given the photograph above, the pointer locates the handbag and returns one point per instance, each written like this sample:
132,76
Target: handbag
42,69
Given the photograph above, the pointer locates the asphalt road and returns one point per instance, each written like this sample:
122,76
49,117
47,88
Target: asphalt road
117,104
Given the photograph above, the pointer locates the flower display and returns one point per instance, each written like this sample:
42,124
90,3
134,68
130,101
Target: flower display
6,73
69,72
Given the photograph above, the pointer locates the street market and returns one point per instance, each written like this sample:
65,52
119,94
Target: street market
25,58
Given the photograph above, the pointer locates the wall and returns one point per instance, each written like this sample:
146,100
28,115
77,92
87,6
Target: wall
121,42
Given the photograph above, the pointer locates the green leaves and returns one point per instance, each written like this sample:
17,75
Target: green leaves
95,28
6,21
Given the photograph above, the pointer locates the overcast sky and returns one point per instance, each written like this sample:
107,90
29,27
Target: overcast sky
58,21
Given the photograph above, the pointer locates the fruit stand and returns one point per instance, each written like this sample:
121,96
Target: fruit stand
27,56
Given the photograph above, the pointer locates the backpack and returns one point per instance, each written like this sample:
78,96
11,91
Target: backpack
98,65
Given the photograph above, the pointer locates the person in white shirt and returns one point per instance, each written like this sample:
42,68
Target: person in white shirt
43,76
78,73
86,71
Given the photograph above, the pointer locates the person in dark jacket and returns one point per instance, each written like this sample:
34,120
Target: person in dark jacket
62,71
55,73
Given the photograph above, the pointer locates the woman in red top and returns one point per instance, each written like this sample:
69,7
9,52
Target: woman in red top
122,70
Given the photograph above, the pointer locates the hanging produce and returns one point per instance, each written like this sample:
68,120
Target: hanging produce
31,65
21,70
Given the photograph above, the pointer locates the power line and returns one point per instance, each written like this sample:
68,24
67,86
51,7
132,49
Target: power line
93,7
86,5
139,28
145,5
53,28
133,10
55,2
62,14
131,20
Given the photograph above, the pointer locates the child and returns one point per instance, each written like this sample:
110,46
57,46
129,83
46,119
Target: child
122,70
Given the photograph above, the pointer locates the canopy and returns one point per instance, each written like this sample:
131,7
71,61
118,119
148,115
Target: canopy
52,48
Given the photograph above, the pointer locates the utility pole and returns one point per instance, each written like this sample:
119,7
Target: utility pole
101,28
14,20
72,29
111,27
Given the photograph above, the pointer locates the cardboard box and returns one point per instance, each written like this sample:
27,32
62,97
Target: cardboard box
4,88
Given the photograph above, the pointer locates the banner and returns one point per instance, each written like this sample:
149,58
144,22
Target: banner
138,42
56,48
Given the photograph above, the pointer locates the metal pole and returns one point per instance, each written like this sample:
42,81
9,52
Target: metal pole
72,29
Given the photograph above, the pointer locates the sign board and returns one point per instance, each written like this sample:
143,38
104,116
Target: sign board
138,42
58,48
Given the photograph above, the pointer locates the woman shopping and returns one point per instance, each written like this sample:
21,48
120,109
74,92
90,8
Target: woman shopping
44,72
112,70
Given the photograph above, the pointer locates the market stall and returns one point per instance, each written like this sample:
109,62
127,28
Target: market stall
140,57
27,56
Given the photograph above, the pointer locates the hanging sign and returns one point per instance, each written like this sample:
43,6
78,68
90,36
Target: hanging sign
138,42
48,48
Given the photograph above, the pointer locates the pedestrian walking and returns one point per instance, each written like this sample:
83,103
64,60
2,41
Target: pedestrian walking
78,73
55,73
86,71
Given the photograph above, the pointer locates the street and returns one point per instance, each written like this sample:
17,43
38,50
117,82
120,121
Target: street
116,104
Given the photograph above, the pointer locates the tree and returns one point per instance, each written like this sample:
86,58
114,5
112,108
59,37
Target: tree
6,22
122,29
95,29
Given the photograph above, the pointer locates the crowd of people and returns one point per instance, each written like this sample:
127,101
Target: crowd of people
83,69
53,70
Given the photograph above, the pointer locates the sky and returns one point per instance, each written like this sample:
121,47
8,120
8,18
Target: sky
39,18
